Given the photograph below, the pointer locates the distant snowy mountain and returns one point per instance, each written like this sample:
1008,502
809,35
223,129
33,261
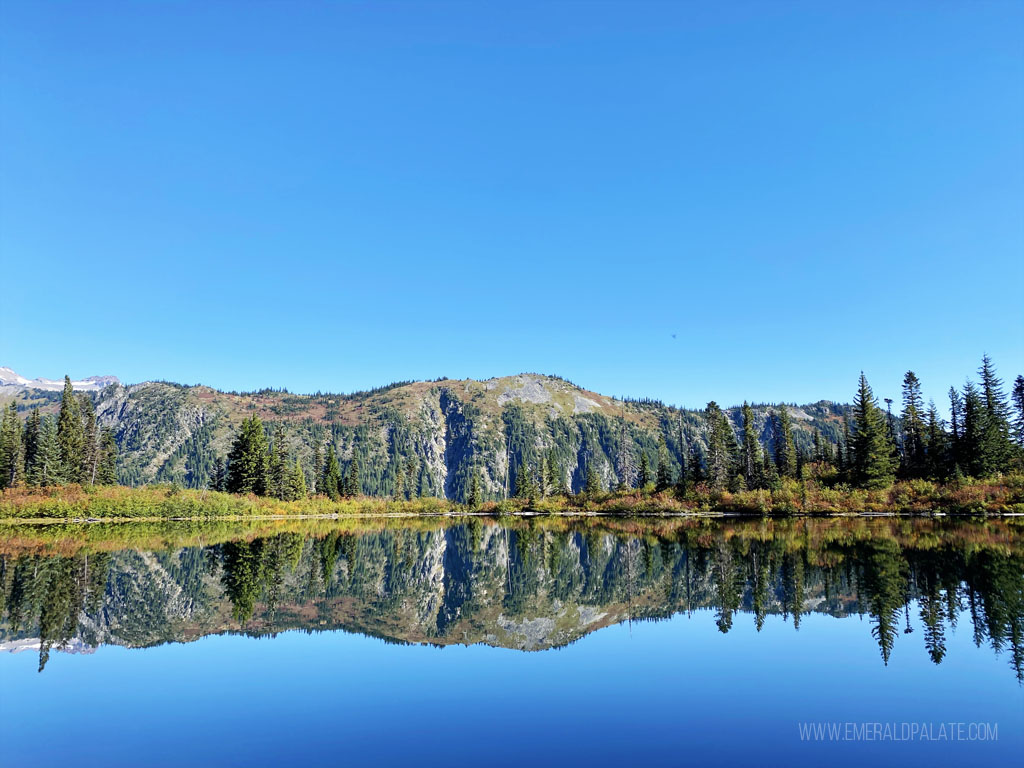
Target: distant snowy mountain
11,381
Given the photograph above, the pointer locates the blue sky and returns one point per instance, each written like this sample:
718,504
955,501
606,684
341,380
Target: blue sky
676,200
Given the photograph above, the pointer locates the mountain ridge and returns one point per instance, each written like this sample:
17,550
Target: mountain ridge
417,437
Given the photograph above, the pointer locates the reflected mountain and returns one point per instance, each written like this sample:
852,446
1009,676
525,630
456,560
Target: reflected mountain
528,584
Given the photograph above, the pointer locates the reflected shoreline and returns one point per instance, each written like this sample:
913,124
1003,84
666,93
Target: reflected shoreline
523,583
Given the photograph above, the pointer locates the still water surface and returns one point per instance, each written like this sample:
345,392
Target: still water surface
538,642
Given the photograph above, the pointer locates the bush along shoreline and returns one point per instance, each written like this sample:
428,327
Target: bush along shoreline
808,496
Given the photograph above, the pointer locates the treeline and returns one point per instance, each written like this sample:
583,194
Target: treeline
266,467
45,451
983,438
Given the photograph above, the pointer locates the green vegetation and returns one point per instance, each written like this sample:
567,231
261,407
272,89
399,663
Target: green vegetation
476,448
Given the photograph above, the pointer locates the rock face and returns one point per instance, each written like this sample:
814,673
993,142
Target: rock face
423,438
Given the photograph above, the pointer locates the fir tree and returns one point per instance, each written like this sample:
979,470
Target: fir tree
936,445
913,427
280,466
248,459
996,443
956,429
785,447
695,465
872,448
1018,407
12,460
351,485
297,483
331,481
721,446
30,441
593,482
69,435
663,474
218,476
555,480
972,441
49,467
643,477
473,498
750,451
769,473
106,461
90,439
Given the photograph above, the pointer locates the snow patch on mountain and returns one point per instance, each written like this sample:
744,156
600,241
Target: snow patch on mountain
11,380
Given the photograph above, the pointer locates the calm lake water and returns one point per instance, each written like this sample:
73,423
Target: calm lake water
539,642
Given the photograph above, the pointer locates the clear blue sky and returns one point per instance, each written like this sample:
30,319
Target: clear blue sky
679,200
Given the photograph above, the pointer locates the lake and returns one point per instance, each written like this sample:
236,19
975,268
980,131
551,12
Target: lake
544,641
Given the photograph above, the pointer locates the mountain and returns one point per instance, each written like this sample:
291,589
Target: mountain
11,383
430,436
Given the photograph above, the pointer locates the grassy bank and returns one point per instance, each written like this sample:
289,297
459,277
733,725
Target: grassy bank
792,497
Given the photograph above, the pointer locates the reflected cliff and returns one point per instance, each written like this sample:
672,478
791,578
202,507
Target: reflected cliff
528,585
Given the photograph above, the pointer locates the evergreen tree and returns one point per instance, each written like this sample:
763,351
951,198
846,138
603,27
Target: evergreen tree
750,451
90,439
70,436
972,441
913,427
248,459
297,483
721,446
872,447
663,475
12,459
695,465
331,481
684,471
49,467
318,463
996,443
555,480
785,447
473,500
936,446
643,477
30,441
218,476
280,466
847,447
593,482
769,474
351,485
1018,407
956,430
106,461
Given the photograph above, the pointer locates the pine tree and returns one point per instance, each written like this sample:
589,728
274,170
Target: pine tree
785,447
49,467
684,471
280,466
972,442
90,439
847,447
643,477
248,459
872,447
1018,406
12,457
318,463
695,465
351,485
473,498
297,483
331,481
750,451
721,446
769,474
593,482
936,446
106,462
996,443
956,431
555,480
663,474
218,475
913,427
70,436
30,438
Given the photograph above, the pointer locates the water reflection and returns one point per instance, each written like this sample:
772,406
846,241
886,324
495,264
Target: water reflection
528,585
